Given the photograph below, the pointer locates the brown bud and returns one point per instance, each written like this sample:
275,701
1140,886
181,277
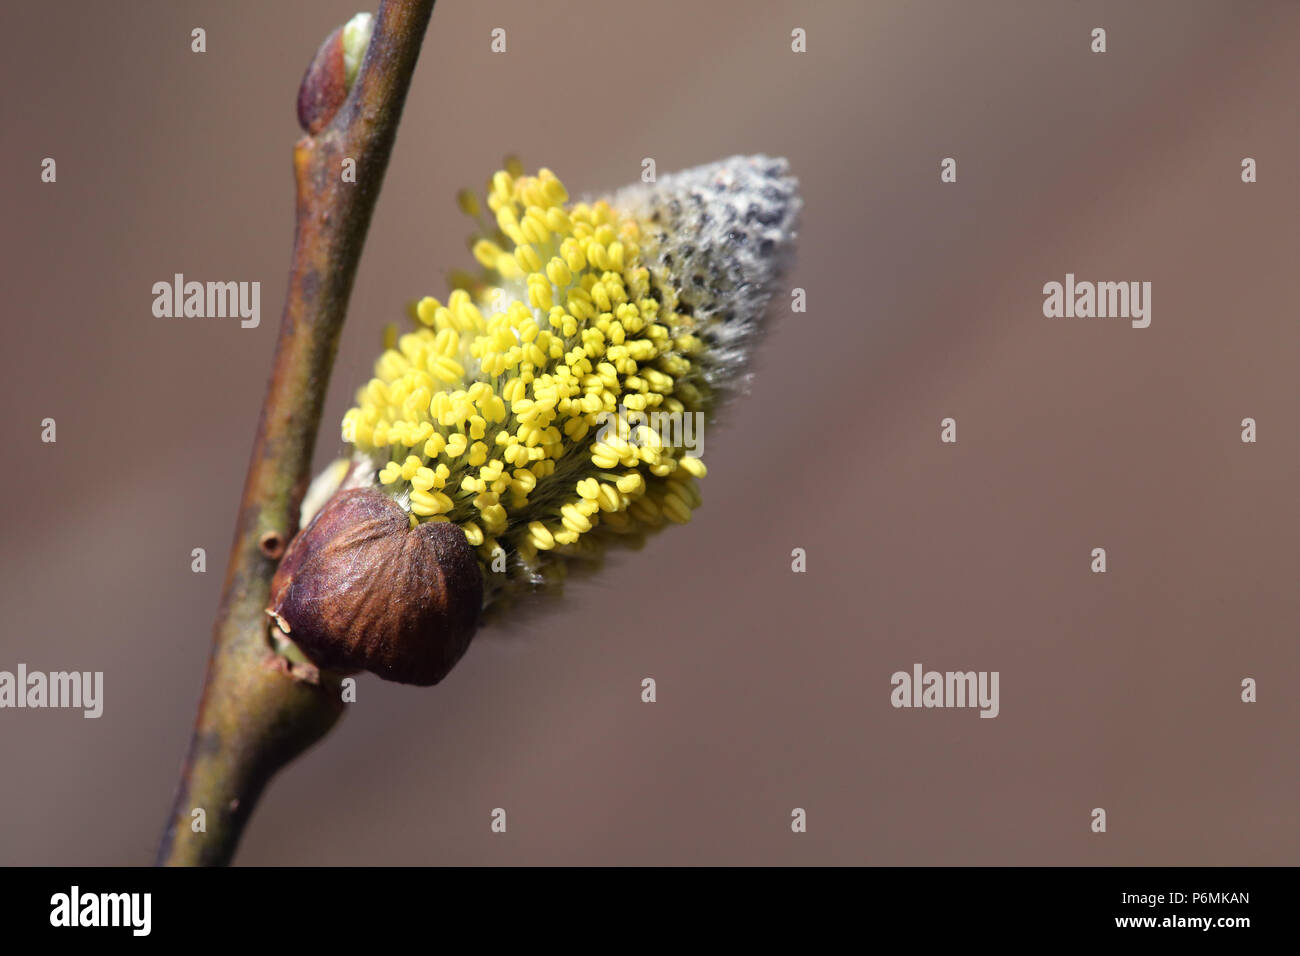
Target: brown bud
359,589
322,90
332,72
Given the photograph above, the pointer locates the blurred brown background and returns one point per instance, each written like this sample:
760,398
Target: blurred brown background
1119,691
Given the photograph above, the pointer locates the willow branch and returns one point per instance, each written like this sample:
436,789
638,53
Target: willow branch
256,713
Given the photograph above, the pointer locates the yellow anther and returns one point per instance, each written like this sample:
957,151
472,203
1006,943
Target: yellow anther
486,252
468,202
542,539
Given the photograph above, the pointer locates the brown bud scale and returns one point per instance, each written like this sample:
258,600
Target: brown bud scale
359,589
324,86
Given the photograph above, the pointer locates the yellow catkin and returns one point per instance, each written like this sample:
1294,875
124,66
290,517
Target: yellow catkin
522,408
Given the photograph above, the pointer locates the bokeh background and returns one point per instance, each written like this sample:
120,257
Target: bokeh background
1118,691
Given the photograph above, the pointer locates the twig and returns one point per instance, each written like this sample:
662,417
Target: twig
255,715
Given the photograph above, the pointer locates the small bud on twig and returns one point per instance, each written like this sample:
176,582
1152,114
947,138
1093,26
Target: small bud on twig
332,72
